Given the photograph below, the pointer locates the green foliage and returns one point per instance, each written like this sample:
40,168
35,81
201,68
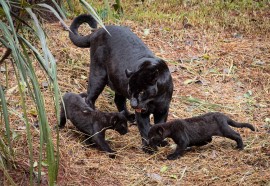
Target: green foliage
106,10
25,41
242,15
14,40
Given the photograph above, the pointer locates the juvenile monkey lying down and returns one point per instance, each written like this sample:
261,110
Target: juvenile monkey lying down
196,131
91,122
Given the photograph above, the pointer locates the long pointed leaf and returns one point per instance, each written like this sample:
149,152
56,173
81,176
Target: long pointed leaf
9,18
7,125
59,9
6,172
94,14
40,34
56,14
45,129
38,56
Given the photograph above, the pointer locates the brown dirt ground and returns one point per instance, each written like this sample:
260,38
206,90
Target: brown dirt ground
212,71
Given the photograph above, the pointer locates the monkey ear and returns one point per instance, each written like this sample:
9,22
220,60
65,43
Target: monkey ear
87,110
128,73
160,131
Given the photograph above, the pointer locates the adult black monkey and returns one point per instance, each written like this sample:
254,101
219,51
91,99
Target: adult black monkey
123,62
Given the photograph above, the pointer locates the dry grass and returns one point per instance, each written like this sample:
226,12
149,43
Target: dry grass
213,70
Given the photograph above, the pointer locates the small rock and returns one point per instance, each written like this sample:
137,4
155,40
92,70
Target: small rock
237,35
172,69
189,42
45,84
146,32
226,71
201,82
214,154
258,62
2,69
154,176
195,58
21,128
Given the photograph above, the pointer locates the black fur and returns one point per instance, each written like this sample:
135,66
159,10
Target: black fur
196,131
91,122
124,63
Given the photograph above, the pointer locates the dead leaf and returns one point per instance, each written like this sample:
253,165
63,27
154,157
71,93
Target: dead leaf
214,154
21,128
188,81
12,90
83,77
33,112
164,168
206,56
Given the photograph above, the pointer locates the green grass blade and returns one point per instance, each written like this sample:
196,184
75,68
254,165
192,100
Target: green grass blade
59,9
25,72
39,57
9,18
56,14
29,137
6,118
45,129
57,106
45,132
12,44
108,8
91,10
22,69
70,5
41,35
2,167
4,152
52,73
4,42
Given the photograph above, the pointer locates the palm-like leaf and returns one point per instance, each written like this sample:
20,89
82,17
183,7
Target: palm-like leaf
20,47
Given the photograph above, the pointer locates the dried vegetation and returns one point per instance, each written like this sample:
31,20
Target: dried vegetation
214,68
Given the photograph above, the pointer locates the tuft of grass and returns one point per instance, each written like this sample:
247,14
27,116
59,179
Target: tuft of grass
237,16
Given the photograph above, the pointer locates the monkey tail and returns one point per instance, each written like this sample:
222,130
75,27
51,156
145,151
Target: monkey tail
81,41
240,125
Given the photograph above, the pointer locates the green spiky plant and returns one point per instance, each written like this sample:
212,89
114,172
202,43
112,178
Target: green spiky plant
26,52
